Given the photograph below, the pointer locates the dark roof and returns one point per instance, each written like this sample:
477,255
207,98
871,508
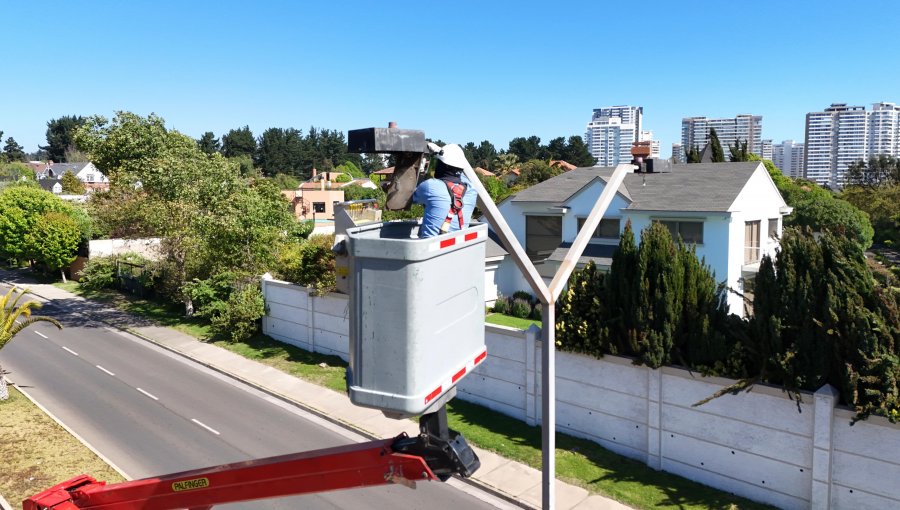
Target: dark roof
700,187
493,247
600,254
47,184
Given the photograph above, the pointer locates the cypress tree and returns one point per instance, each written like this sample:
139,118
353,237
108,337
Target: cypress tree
621,296
660,276
718,155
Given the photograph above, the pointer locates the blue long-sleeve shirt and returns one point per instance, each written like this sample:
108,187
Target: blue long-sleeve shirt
433,194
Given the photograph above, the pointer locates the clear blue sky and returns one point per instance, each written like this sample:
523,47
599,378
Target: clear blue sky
461,71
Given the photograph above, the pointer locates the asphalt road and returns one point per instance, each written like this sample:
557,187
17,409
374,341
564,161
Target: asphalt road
152,412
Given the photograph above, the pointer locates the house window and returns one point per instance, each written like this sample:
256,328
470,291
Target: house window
319,207
90,178
751,242
773,228
543,234
691,232
607,229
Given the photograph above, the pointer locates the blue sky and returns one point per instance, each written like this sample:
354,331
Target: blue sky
464,71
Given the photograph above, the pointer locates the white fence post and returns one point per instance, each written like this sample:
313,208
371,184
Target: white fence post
825,400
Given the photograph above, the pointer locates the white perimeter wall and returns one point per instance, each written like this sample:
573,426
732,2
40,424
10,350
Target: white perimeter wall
148,248
755,444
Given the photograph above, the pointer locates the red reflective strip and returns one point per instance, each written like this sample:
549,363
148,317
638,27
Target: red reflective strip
433,394
470,236
481,357
457,376
448,242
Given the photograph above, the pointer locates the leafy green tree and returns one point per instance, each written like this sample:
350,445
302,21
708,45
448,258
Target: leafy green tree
818,208
882,204
239,142
72,185
718,155
14,317
281,151
23,208
536,171
12,151
208,143
16,171
284,181
496,187
371,163
739,151
881,170
54,241
60,136
350,168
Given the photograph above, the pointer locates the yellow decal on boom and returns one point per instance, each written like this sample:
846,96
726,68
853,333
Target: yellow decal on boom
189,485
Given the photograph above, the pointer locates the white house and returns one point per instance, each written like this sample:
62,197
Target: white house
86,172
732,212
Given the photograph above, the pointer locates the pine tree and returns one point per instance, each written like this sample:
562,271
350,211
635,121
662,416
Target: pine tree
739,151
692,154
12,151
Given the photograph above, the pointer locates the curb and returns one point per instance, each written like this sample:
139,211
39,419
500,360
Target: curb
336,421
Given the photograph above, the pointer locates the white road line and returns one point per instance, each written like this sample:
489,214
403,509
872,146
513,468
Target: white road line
148,394
41,334
207,427
105,370
70,350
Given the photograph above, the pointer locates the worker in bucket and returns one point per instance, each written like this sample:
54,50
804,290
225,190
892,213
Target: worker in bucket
449,198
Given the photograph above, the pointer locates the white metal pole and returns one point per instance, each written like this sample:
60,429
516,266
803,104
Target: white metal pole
548,406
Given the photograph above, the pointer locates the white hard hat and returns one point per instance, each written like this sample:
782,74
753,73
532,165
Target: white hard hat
451,154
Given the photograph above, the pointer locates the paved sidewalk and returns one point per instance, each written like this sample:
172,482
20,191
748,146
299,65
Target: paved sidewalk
514,481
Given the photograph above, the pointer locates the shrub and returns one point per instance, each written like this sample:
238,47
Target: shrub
537,312
520,308
98,273
309,263
501,305
523,295
238,318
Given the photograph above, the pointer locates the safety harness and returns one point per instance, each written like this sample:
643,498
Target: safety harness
457,189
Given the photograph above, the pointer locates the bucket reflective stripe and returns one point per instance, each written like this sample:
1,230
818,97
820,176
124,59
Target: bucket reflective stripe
456,376
453,241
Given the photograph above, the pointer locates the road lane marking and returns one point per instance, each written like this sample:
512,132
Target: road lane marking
70,350
207,427
41,334
105,370
148,394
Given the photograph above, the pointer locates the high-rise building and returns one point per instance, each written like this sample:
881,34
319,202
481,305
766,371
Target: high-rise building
611,132
765,149
842,135
743,128
678,153
788,157
654,144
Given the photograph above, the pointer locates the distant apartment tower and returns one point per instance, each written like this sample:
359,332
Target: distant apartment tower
842,135
695,132
611,132
788,157
654,144
765,149
678,153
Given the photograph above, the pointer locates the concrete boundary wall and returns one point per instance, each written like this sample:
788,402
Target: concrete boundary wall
758,444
